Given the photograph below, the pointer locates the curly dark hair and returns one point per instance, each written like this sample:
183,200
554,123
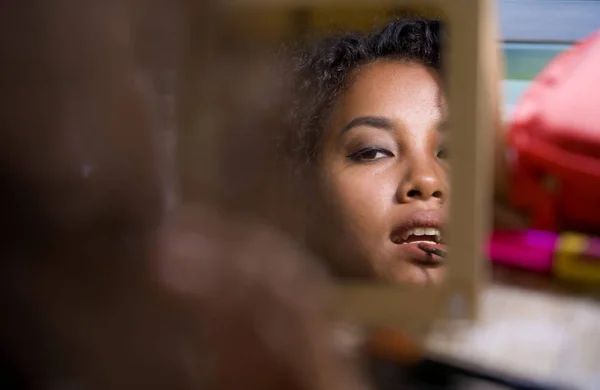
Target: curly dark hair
322,71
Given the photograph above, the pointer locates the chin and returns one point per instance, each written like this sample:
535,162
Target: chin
419,276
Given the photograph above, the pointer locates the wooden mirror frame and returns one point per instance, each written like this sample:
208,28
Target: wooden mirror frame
472,69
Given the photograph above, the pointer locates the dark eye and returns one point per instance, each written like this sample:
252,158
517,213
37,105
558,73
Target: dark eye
370,155
442,153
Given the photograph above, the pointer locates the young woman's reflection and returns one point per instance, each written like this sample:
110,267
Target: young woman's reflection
369,141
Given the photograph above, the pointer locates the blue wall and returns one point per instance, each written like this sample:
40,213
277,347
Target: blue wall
548,20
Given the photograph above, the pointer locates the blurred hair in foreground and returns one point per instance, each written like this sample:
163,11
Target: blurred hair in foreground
107,283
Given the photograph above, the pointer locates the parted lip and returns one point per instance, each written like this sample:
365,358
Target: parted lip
420,219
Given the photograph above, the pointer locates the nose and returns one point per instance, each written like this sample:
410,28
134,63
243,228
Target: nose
423,181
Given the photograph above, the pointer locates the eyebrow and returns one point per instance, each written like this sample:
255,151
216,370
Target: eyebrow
371,121
384,123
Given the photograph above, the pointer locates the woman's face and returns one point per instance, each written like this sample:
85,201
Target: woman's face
384,171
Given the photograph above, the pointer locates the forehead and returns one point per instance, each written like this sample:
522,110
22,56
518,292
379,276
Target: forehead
392,88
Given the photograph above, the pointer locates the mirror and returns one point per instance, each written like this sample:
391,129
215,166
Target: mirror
344,116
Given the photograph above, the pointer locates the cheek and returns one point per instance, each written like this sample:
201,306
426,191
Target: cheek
363,198
443,172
